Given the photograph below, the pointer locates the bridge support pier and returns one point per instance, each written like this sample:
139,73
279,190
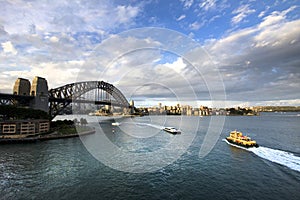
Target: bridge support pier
39,89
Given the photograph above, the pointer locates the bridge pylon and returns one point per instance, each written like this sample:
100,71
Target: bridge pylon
39,89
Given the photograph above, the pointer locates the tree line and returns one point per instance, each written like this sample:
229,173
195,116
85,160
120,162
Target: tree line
10,112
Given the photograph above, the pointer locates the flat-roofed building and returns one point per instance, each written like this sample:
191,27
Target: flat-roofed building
9,128
27,128
24,127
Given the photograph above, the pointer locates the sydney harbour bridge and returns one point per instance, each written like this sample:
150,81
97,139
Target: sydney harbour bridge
54,101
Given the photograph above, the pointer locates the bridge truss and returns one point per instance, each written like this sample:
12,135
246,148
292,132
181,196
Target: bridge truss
104,94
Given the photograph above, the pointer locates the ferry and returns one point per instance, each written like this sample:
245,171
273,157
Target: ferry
116,124
236,138
172,130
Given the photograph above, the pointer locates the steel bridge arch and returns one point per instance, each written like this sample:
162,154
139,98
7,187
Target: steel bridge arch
61,97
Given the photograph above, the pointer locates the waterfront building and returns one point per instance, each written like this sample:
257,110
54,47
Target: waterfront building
23,128
196,112
189,112
159,105
204,111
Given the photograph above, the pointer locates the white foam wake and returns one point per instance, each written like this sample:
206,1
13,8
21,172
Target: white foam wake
145,124
151,125
278,156
274,155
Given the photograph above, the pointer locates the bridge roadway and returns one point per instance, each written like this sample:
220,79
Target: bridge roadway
104,102
23,99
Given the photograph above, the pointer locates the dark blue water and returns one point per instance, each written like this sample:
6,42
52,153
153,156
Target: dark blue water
64,169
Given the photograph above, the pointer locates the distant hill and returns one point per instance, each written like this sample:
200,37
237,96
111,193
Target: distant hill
277,108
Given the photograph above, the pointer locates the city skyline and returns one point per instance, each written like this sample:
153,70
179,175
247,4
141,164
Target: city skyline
254,45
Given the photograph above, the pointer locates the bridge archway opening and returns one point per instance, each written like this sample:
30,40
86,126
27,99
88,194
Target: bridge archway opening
85,97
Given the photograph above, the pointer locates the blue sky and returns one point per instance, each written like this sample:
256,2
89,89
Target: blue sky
252,46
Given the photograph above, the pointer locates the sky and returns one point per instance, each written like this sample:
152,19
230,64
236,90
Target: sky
209,52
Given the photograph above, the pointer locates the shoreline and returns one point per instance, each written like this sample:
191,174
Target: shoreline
44,138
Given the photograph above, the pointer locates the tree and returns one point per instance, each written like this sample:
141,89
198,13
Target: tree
83,122
76,121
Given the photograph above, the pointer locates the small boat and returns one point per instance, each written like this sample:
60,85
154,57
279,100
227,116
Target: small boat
172,130
116,124
236,138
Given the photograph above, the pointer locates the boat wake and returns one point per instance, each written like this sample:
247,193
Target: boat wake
280,157
145,124
274,155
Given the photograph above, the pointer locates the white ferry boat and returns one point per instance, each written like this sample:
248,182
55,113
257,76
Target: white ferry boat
116,124
172,130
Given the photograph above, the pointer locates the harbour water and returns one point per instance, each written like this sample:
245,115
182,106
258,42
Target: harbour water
69,168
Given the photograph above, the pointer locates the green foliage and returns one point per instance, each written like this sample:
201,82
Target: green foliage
239,111
67,127
61,123
63,127
8,112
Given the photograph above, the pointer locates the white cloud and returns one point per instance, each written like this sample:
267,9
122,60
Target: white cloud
178,66
126,13
230,43
208,4
262,13
241,12
118,61
195,26
277,35
275,18
181,17
187,3
63,16
55,73
54,39
8,47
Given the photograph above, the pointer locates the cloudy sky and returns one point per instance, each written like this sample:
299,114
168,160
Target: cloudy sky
247,52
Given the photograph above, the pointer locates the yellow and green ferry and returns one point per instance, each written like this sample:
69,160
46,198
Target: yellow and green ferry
236,138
